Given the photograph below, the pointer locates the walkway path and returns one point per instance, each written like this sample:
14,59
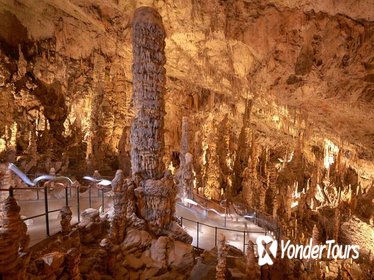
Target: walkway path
203,226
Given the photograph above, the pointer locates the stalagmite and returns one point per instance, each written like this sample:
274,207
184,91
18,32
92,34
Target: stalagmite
147,141
72,260
251,261
155,190
288,200
222,251
66,216
185,176
336,224
275,206
185,136
13,241
118,222
315,235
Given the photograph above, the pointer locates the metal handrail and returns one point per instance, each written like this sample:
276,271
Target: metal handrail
198,224
46,212
223,228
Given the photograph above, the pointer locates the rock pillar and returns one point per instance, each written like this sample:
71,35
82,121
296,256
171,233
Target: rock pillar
222,252
13,239
147,139
118,223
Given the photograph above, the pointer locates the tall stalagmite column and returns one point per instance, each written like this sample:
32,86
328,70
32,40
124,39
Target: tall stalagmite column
185,175
13,241
147,142
155,193
185,136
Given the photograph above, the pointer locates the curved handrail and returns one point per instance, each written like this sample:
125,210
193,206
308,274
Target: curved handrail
43,177
38,179
101,182
105,182
92,179
20,174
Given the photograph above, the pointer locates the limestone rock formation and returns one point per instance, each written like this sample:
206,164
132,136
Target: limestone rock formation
185,173
156,191
118,221
13,241
66,216
72,259
279,97
91,226
147,142
221,258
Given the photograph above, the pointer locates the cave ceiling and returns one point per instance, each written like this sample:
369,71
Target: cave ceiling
305,67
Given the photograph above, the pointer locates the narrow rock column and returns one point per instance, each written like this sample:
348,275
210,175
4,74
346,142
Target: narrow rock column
66,216
13,238
251,268
147,139
72,259
336,224
118,223
222,251
185,136
185,175
155,192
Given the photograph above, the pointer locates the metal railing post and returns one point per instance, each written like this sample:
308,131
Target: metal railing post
197,234
66,196
215,236
46,210
102,200
89,197
37,192
181,221
11,192
243,242
78,206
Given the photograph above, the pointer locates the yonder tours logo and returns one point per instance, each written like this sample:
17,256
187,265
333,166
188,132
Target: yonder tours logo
267,250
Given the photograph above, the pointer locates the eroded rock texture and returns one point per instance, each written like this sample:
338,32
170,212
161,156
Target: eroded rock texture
156,191
13,241
147,141
279,95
